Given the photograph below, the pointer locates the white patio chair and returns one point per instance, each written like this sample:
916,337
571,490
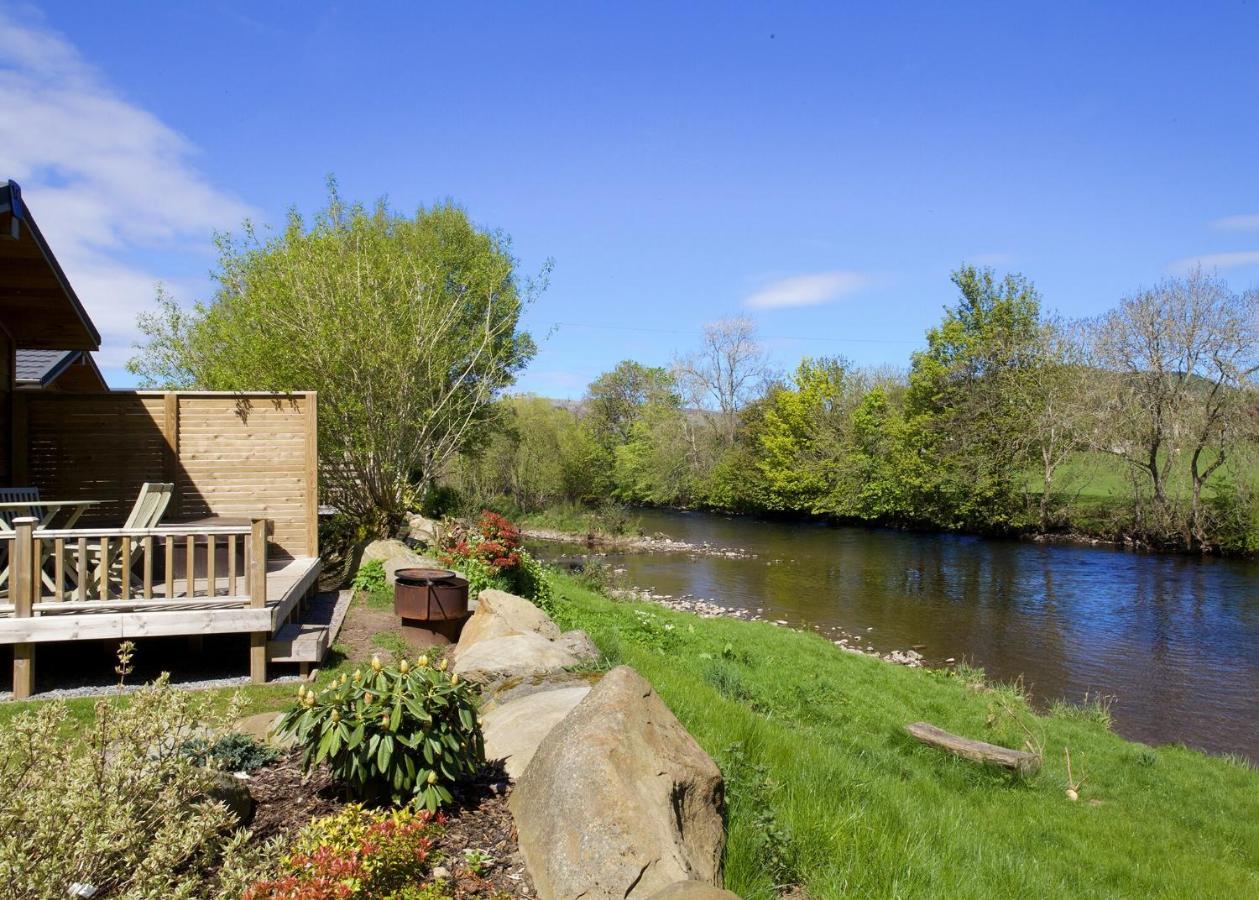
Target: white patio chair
147,511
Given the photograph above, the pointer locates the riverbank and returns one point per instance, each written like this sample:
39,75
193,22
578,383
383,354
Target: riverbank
826,790
827,796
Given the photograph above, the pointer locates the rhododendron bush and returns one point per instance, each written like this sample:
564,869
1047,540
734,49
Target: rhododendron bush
490,555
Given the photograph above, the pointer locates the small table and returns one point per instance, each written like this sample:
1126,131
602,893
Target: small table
50,509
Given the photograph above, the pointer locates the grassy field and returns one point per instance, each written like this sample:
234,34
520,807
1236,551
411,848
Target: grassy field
826,790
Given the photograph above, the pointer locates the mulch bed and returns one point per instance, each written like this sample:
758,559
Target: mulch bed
287,799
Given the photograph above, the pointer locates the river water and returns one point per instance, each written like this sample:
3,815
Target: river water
1174,640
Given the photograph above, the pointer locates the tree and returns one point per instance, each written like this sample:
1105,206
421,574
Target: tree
407,328
802,434
968,397
728,370
615,399
1183,358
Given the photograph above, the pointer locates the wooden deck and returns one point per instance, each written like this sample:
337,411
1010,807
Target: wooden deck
288,581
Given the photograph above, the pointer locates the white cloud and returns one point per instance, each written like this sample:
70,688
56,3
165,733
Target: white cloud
1210,261
105,178
806,290
1246,222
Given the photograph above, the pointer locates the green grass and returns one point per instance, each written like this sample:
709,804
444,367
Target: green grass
824,787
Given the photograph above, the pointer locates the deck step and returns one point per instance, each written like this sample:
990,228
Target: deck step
298,644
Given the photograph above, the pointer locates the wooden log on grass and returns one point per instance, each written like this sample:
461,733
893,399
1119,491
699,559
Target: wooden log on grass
1019,761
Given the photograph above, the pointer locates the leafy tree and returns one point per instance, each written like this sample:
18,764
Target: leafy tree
615,399
406,326
801,439
966,403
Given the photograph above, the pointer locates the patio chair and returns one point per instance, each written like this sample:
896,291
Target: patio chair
19,495
146,512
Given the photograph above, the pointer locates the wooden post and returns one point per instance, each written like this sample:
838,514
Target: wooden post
24,582
312,474
258,598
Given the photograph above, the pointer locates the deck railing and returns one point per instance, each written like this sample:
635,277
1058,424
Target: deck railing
86,570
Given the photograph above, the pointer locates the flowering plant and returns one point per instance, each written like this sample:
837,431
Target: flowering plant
489,555
355,853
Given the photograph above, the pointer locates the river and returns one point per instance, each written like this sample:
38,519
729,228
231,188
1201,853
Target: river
1174,640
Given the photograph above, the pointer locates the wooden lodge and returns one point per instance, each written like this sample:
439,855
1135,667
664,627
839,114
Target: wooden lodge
133,514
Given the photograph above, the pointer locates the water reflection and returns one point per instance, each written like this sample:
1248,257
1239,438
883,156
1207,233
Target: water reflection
1174,639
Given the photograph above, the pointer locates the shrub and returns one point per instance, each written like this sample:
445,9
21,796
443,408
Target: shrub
403,732
356,853
119,807
489,555
231,753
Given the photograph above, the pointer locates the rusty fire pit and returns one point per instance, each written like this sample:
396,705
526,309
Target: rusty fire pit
432,603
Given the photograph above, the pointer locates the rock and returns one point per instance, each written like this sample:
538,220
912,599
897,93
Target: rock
578,643
693,890
233,793
619,800
513,730
499,614
504,692
395,555
426,531
262,728
513,656
384,550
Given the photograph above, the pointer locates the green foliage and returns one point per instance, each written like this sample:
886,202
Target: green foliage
120,806
404,732
233,752
356,852
371,583
405,325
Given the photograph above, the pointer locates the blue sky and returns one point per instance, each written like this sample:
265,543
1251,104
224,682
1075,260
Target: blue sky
820,167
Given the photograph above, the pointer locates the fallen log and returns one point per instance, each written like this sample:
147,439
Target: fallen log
1019,761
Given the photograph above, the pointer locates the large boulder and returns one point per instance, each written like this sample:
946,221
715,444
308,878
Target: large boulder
500,614
619,801
513,656
384,550
513,730
395,555
426,531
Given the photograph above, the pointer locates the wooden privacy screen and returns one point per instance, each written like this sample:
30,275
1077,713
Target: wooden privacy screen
230,455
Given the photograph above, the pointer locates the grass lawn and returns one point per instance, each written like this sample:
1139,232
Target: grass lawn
825,787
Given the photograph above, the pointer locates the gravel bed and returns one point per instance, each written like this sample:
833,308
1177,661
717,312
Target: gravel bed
103,690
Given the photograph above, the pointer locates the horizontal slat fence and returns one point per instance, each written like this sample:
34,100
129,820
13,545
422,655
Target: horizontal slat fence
236,456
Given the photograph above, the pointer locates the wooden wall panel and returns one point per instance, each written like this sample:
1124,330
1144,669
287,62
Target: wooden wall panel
8,380
237,456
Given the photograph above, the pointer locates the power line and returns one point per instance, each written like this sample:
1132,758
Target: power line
832,340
